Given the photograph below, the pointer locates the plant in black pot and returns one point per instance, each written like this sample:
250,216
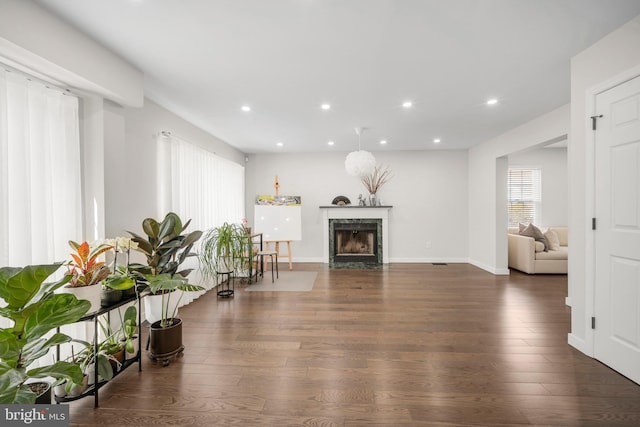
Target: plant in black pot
166,247
35,310
121,283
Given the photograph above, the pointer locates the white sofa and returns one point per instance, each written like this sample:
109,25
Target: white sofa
527,255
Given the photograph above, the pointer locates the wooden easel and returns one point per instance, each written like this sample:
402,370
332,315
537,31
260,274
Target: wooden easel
276,185
287,255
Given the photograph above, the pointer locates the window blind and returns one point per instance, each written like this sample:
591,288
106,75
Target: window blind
524,195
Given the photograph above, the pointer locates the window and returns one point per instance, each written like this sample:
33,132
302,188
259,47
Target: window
40,178
199,185
524,195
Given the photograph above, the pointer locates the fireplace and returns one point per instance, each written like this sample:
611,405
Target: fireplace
355,241
350,215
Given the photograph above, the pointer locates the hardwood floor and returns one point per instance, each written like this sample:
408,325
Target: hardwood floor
408,345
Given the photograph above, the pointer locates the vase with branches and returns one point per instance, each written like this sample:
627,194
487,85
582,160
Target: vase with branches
373,181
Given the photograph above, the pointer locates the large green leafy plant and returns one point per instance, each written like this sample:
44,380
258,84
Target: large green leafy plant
35,310
224,248
166,248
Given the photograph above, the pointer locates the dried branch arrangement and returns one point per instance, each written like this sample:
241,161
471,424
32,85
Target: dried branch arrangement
376,179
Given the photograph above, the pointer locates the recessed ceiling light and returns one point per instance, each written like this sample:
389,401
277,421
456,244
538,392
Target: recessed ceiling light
407,104
384,141
246,108
492,101
325,106
436,140
279,144
330,143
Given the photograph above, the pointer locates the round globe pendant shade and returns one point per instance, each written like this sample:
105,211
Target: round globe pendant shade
359,163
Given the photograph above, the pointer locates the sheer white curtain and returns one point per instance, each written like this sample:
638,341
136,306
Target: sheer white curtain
40,189
197,184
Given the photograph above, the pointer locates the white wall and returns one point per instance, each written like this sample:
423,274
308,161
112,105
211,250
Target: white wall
553,165
130,161
618,52
34,40
487,181
428,192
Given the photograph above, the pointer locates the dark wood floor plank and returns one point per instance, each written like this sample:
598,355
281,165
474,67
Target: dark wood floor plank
406,345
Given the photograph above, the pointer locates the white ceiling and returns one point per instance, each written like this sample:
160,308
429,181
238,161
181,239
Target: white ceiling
204,59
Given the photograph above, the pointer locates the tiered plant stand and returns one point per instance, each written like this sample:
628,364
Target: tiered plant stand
92,390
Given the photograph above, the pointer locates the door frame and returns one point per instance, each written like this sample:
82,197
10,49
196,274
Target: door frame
590,208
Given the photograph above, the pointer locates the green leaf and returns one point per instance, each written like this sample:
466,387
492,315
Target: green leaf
11,388
164,282
187,287
35,349
58,370
120,283
18,287
10,347
151,227
105,370
178,227
58,310
21,395
168,226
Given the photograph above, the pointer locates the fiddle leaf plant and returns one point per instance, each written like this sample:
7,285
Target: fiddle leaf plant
35,310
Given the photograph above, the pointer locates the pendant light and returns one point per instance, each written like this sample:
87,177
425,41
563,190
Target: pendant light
359,163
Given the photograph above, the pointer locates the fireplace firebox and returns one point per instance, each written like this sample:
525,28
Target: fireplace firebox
355,241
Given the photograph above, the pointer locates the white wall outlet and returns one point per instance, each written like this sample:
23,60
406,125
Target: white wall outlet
427,245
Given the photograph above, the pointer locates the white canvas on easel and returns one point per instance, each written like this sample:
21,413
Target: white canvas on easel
278,223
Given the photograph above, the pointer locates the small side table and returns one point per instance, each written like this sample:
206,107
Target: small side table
226,286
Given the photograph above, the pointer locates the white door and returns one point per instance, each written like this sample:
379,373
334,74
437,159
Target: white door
617,234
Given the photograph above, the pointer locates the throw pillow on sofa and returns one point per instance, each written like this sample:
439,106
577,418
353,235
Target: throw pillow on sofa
552,239
537,234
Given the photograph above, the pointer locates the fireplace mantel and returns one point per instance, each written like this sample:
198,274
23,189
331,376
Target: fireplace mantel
355,212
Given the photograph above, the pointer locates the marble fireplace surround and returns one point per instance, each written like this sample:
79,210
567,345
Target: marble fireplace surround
356,212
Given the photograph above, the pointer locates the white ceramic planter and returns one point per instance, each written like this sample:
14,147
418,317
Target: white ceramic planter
79,389
153,306
59,390
90,293
136,346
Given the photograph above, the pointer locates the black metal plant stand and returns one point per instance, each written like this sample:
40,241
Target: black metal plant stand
226,286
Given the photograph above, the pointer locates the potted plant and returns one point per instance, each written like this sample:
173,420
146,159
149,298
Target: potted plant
121,282
373,181
87,272
129,331
166,248
224,249
88,359
35,311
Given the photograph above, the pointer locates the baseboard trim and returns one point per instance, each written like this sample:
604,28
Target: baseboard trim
428,260
490,269
579,344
